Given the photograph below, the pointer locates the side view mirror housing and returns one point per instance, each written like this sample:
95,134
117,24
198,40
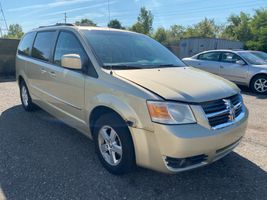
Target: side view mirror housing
240,62
71,61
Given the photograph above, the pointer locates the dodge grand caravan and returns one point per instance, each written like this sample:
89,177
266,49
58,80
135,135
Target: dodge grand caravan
139,103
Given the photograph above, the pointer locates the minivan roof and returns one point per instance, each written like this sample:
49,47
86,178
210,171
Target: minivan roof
73,26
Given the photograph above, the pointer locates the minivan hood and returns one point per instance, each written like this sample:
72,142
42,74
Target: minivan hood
185,84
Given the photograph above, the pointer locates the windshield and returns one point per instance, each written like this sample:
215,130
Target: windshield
252,59
260,54
125,50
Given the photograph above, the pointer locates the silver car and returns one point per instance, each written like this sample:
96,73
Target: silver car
240,66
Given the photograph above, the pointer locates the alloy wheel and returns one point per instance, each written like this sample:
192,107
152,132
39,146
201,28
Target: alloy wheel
260,85
110,146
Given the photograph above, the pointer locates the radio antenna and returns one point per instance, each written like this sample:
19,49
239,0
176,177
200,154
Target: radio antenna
65,17
111,72
3,19
108,12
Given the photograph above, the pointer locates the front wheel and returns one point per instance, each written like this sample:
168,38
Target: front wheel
259,84
113,144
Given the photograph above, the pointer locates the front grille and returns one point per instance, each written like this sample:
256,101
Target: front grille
223,111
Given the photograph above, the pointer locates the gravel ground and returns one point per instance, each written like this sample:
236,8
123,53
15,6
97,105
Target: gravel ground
42,158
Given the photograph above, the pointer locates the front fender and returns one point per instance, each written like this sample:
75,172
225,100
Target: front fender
132,109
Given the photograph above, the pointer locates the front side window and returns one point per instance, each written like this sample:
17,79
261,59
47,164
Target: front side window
67,44
25,45
230,57
43,45
124,50
211,56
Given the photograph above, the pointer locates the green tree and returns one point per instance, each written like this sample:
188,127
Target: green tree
205,28
144,22
85,22
258,26
238,28
174,34
137,27
14,31
177,31
115,24
160,35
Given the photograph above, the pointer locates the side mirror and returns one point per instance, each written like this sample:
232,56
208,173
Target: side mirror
240,62
71,61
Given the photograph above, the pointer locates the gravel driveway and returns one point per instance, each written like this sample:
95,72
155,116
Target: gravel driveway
42,158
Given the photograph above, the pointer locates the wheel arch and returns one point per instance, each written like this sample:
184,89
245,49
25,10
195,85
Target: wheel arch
255,75
130,110
21,76
97,112
130,147
20,79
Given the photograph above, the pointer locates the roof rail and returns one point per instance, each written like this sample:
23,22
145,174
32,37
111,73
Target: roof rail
58,24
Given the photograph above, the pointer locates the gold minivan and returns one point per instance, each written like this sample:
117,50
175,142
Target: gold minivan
139,103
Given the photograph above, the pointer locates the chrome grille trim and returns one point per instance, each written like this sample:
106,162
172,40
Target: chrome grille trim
224,112
240,116
217,113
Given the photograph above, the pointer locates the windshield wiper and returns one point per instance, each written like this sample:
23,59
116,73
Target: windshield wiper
121,67
125,67
166,65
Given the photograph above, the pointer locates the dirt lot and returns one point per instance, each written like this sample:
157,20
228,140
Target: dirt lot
42,158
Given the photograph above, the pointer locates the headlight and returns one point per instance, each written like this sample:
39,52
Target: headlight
170,113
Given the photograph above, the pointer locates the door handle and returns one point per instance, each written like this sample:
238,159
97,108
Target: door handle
43,71
53,74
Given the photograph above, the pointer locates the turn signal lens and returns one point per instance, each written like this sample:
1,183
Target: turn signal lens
158,111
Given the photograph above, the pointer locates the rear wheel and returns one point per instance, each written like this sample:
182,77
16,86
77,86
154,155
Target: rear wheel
113,144
259,84
25,97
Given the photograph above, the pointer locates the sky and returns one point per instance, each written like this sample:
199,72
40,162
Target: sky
33,13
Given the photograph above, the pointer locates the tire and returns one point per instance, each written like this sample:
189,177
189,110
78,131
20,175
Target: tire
25,98
113,144
259,84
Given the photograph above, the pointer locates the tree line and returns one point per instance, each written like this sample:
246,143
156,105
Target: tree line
251,30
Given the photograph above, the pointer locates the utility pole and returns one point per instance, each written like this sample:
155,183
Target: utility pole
65,17
2,18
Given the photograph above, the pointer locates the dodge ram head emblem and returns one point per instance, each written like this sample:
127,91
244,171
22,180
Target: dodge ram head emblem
231,108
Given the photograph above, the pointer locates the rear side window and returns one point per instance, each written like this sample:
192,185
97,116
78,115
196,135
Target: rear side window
211,56
26,44
68,44
43,45
230,57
